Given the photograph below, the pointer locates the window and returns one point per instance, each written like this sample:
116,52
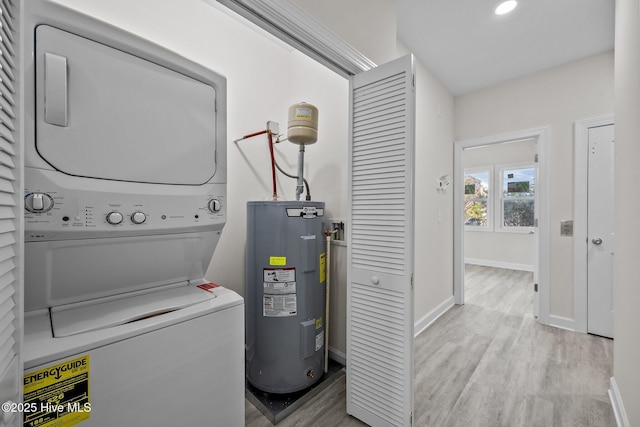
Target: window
477,199
517,197
514,188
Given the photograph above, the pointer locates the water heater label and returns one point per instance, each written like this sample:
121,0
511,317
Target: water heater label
319,340
277,260
323,267
279,305
279,288
272,275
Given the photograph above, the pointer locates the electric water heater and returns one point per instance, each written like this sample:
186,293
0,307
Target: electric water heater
285,295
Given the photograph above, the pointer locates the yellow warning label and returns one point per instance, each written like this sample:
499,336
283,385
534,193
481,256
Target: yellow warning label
319,323
277,260
58,395
323,267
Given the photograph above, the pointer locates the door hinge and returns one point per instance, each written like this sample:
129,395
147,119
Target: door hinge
535,287
535,222
411,280
535,158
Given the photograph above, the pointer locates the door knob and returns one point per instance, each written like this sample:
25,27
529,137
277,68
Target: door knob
596,241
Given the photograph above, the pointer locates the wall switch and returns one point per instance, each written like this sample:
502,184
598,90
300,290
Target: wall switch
566,227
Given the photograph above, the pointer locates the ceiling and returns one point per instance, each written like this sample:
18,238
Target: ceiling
468,47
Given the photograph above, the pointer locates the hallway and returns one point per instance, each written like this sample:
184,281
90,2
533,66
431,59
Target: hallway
490,363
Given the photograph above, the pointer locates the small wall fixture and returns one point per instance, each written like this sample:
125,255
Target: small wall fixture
442,183
506,7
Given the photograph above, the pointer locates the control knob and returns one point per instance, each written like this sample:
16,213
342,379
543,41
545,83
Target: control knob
38,202
138,217
114,218
214,205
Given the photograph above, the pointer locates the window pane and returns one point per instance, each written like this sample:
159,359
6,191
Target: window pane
518,183
518,213
475,213
476,185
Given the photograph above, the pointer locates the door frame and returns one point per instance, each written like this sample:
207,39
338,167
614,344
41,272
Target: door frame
580,206
543,136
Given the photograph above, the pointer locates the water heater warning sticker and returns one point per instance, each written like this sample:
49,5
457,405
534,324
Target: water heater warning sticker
319,340
323,267
277,260
279,305
58,395
279,275
279,298
274,288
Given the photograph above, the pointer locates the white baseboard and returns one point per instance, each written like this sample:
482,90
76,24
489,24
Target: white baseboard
562,322
338,356
617,405
431,317
498,264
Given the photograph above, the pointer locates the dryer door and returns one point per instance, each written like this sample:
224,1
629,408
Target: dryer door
103,113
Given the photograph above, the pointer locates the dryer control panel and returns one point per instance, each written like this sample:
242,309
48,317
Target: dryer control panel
53,212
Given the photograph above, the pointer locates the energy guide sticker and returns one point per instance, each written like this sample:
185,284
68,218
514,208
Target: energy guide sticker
58,395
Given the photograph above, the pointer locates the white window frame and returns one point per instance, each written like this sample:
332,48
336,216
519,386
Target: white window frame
499,199
490,203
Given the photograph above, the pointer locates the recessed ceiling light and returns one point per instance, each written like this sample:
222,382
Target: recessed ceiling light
506,7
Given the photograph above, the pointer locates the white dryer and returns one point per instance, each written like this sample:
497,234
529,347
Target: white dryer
125,201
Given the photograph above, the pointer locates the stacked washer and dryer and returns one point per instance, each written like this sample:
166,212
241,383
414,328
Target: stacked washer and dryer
125,200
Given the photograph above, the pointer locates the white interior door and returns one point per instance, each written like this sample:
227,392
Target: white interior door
600,235
380,255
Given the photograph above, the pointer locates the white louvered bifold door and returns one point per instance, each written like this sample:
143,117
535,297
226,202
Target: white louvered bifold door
380,290
10,224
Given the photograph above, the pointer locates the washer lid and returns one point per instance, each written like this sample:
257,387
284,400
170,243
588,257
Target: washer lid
104,113
92,317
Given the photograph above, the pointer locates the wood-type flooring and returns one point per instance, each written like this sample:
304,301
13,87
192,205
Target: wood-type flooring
490,363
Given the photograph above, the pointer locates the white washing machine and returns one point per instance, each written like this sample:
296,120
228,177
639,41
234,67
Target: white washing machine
180,366
125,201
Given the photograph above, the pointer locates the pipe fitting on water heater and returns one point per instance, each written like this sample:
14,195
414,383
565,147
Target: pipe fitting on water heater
302,129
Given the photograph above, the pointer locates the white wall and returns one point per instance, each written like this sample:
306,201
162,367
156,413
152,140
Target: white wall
556,97
499,248
626,282
433,209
